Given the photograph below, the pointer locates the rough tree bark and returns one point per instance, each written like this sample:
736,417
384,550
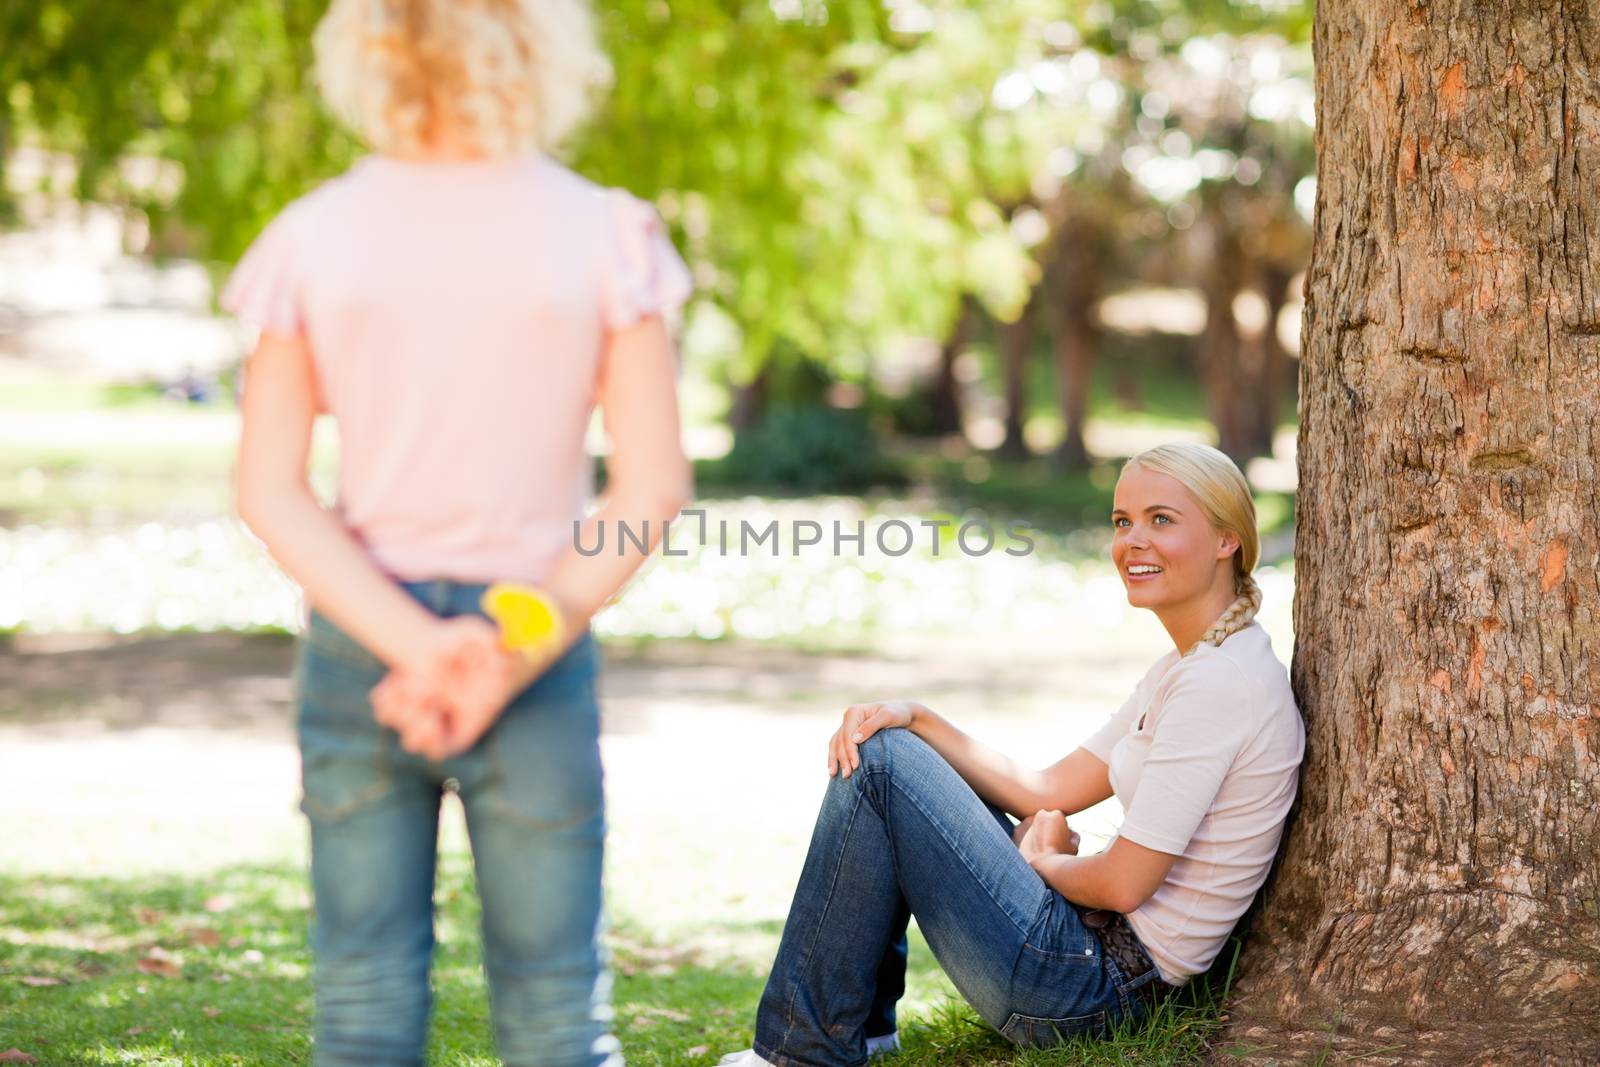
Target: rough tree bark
1443,873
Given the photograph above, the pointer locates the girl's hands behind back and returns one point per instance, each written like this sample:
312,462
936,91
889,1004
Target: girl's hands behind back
461,682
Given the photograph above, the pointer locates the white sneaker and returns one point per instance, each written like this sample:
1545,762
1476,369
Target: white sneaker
886,1045
876,1046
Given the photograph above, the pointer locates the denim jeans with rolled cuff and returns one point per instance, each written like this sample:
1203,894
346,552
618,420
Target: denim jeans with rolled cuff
905,835
532,793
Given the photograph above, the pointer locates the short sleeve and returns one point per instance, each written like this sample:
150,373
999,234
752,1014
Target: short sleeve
643,273
265,288
1103,740
1200,729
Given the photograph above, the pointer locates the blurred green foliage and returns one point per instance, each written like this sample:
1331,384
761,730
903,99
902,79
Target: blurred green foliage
806,448
842,174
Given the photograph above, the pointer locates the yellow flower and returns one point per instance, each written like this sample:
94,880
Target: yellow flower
529,620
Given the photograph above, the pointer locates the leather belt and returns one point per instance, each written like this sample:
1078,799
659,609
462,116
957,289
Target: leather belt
1123,946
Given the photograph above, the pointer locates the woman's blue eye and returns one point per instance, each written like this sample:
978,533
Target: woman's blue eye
1119,522
1162,518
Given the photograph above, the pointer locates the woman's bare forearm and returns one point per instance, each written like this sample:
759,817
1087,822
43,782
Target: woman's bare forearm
274,499
994,776
650,477
1078,781
338,576
583,584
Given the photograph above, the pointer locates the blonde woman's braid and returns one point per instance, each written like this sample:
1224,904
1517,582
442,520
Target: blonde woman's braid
1237,616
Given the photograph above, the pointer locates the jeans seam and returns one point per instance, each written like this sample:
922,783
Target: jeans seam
805,957
779,1059
1022,930
500,772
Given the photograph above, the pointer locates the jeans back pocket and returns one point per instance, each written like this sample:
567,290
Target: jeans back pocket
346,758
1031,1031
544,750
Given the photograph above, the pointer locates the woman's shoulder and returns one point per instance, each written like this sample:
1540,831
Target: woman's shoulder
1245,662
309,210
1240,687
573,188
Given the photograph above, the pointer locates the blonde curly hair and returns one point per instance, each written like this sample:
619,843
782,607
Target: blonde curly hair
1224,495
508,75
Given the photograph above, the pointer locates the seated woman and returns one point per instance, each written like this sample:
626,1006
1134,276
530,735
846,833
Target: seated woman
1045,943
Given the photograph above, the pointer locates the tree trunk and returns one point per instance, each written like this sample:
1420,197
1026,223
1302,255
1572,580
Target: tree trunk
1075,283
1275,281
1016,342
750,400
1228,382
1443,873
947,409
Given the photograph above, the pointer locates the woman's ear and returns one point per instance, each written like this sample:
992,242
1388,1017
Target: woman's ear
1229,546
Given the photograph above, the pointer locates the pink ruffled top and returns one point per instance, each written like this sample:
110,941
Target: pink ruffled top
457,315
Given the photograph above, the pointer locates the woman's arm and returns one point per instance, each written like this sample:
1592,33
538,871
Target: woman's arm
648,476
1078,781
274,499
1121,878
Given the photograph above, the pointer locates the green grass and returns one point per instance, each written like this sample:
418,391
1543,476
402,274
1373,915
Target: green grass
38,393
225,981
127,481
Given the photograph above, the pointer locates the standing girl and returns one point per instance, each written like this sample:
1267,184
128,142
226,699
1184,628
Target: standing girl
459,303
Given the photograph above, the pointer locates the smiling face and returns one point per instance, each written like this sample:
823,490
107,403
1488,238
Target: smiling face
1166,550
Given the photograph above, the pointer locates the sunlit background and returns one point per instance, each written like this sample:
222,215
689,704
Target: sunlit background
954,261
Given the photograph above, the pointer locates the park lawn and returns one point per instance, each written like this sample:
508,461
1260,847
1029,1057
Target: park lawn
214,970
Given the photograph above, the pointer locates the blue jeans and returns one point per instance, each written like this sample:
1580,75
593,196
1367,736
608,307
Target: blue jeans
905,835
532,793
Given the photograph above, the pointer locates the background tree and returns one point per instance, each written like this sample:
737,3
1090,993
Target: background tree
1222,139
844,174
1442,874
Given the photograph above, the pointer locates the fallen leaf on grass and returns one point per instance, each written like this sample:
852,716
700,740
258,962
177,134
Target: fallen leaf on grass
159,965
221,902
134,1031
211,1013
699,1050
206,938
39,980
16,1055
150,916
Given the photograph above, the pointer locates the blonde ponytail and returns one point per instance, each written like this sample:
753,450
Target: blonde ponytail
1238,615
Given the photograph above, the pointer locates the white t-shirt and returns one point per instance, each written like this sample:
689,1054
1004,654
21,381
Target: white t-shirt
1204,758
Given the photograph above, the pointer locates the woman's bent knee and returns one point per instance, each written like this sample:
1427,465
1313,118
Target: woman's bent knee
883,747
